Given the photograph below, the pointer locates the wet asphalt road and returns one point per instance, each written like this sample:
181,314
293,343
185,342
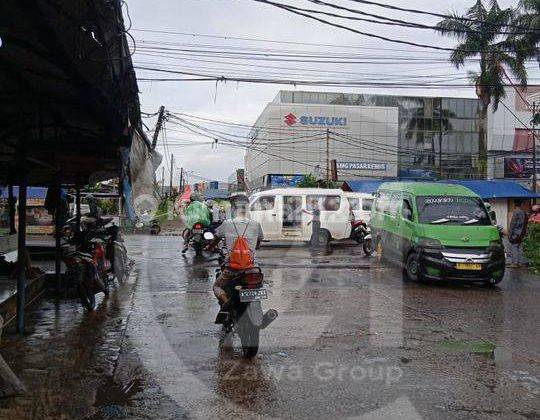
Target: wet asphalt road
352,340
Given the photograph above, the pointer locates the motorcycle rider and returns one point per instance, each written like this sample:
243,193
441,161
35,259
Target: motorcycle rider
229,231
196,212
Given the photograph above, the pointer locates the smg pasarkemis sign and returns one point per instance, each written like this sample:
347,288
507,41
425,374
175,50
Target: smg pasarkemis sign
315,121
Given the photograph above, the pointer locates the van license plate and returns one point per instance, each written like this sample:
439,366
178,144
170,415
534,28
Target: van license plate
468,266
252,295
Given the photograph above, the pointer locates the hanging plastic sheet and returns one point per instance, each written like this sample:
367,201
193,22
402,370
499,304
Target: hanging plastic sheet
142,173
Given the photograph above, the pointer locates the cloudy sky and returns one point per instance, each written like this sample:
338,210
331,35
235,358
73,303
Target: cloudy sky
243,102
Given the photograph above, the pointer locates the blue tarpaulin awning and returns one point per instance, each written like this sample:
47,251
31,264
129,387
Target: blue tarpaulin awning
496,188
368,186
486,189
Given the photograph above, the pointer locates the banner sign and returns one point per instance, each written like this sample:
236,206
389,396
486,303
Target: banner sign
362,166
520,167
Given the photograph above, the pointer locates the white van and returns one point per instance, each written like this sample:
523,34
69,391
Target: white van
282,217
361,204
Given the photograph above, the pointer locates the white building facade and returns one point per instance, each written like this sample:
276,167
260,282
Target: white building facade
292,139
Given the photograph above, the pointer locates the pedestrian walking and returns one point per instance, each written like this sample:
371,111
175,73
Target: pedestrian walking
516,233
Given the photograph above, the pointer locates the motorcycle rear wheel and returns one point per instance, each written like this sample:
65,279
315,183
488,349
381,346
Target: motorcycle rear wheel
249,337
87,297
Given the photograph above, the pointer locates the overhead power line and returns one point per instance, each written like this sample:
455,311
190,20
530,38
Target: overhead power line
383,19
305,13
428,13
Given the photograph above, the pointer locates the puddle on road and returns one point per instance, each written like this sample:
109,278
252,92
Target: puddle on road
112,398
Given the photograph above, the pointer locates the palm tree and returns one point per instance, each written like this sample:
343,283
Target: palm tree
525,37
479,32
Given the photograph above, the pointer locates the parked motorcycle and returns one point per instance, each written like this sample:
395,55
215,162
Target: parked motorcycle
243,314
94,257
155,228
83,273
361,233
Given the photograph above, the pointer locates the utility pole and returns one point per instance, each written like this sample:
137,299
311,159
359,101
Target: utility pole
534,147
440,141
159,123
162,179
171,175
181,185
327,156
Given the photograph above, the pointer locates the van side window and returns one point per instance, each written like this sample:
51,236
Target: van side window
262,203
326,202
355,203
382,202
407,210
393,204
367,203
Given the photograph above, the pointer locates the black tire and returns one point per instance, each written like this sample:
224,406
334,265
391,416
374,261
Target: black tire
120,265
198,249
156,230
322,240
249,337
494,282
412,267
86,295
367,246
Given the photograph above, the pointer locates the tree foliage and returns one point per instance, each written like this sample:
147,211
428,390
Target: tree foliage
531,246
479,32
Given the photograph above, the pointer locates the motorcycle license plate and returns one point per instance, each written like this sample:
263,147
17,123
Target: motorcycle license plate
252,295
195,231
468,266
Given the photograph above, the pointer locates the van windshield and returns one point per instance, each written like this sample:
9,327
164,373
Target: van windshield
453,210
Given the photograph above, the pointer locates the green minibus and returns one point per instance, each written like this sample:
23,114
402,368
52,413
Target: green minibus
437,231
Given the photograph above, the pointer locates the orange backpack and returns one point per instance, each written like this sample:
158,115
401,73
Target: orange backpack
241,257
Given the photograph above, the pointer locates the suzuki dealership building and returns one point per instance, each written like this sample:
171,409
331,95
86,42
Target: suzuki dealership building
377,136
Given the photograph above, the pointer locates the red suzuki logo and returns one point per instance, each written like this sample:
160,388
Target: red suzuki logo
290,119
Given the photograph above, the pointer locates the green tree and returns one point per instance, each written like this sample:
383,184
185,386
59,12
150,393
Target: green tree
479,34
308,181
525,37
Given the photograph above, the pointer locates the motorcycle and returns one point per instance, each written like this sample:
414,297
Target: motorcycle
82,272
361,233
94,257
243,314
155,228
198,237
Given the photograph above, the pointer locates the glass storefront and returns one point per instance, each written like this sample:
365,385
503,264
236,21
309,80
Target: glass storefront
425,125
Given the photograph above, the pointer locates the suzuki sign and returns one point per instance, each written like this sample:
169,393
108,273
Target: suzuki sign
319,121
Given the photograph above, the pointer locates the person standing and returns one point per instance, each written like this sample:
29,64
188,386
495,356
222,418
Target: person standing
535,216
516,233
315,213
